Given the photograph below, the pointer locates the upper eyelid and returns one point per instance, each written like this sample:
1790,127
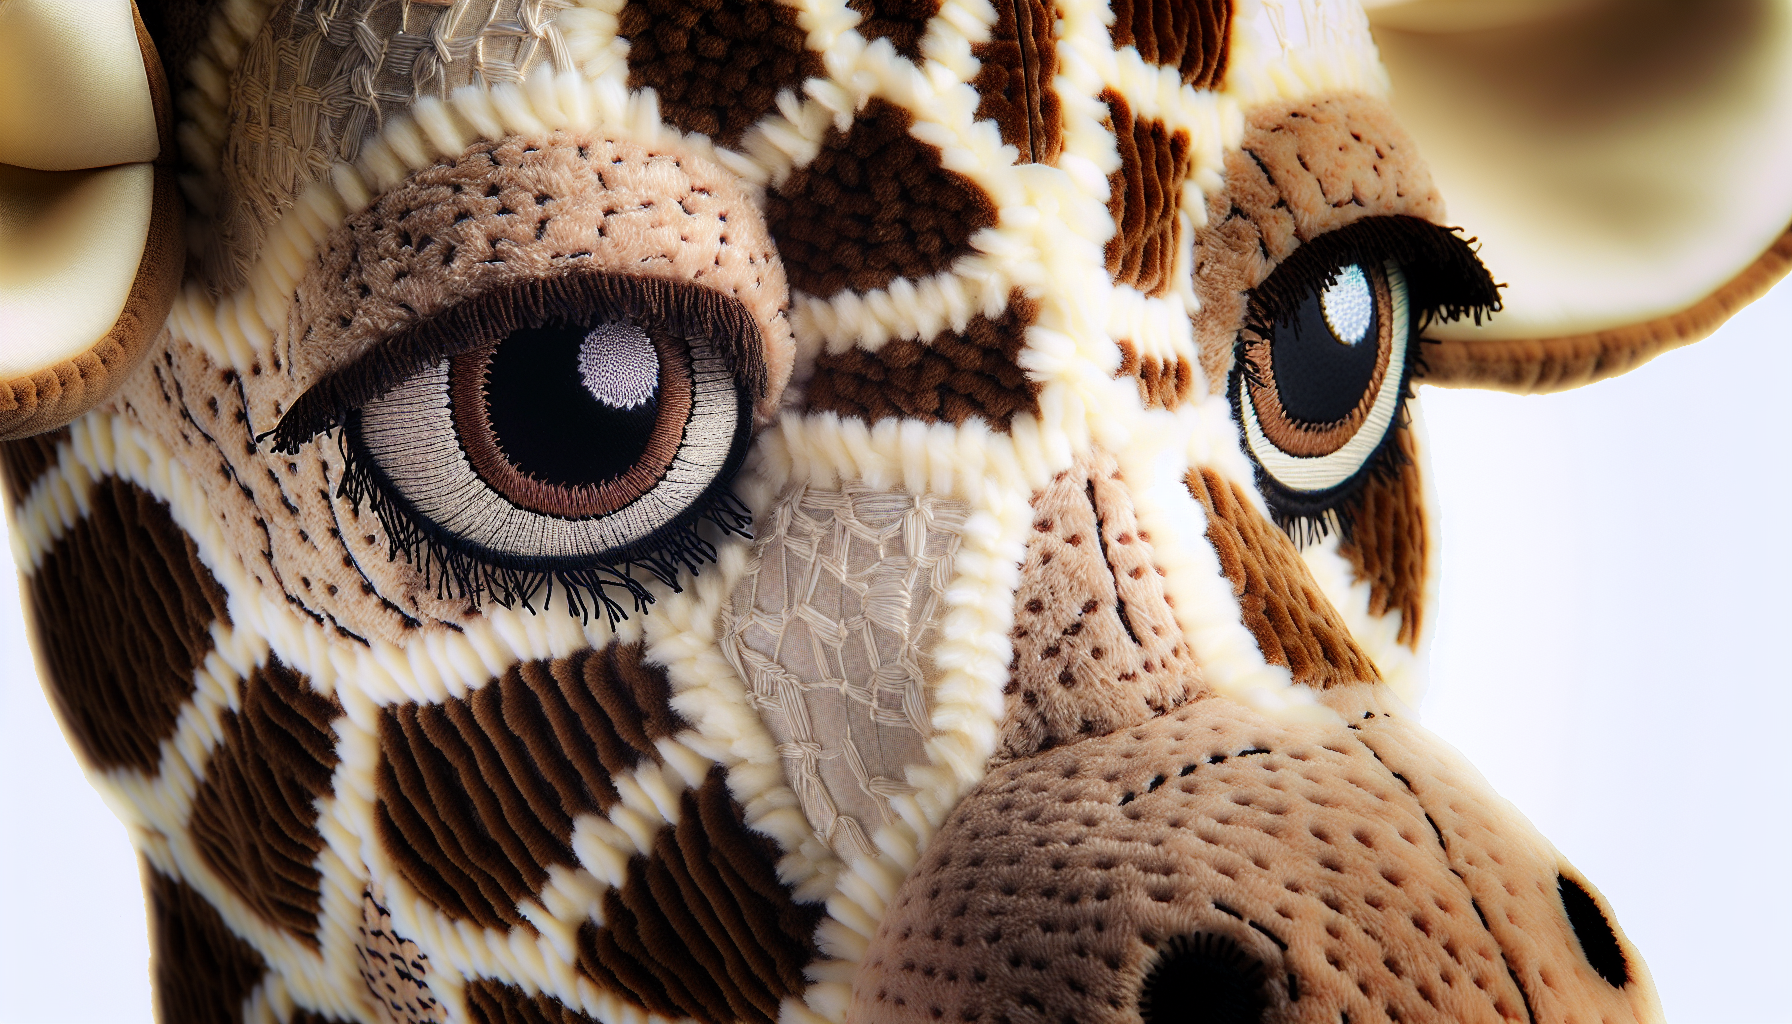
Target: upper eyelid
1445,275
486,318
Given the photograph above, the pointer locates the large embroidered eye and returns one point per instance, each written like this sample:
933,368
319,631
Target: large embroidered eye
564,438
1325,378
1327,353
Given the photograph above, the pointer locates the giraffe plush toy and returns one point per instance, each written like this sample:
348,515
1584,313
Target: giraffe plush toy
806,510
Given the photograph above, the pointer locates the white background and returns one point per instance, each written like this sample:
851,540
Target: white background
1612,652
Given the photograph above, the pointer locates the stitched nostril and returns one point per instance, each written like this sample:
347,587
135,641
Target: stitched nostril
1204,978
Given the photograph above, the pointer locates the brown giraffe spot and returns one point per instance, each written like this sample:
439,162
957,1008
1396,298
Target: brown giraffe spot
902,22
24,462
718,65
1386,542
493,1002
952,378
477,795
1192,36
1096,647
703,928
873,206
1163,384
1014,83
201,971
255,816
123,609
1144,196
1293,622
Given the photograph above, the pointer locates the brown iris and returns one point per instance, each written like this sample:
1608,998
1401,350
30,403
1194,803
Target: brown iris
539,430
1312,390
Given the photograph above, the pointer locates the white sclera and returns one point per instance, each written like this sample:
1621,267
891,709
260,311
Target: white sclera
1348,305
619,365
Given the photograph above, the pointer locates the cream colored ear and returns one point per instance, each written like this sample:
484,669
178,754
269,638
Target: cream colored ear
90,216
1626,164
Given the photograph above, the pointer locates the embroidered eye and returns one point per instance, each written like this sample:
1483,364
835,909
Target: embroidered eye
562,436
1327,353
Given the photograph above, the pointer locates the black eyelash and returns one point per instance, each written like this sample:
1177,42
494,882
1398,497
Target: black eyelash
458,570
1445,280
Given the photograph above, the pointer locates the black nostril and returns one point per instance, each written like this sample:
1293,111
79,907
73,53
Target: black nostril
1598,943
1203,979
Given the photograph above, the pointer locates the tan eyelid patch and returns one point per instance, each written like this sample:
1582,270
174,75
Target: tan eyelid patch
531,208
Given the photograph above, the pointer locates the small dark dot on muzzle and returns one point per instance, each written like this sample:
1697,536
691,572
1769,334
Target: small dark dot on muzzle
1204,979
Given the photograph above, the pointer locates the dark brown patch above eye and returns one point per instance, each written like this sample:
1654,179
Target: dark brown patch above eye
255,816
123,608
1192,36
493,1002
902,22
1014,81
703,928
951,378
201,970
875,205
477,795
718,65
1144,197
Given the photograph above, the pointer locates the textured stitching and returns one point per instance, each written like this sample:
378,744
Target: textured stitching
1293,622
703,928
832,628
955,376
255,815
123,609
874,205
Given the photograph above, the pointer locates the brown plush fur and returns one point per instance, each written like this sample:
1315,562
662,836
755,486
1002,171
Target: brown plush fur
255,815
1533,366
1096,647
902,22
1054,886
875,205
1306,168
1192,36
1143,197
24,462
201,970
1293,622
477,795
951,378
493,1002
1014,83
717,65
703,928
124,609
1389,542
1162,385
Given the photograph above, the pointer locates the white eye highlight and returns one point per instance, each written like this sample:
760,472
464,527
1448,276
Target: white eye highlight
619,365
1349,305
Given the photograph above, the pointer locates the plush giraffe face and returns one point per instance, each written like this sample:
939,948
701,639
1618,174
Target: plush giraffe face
876,511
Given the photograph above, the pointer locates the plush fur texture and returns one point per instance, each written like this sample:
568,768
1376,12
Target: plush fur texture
996,490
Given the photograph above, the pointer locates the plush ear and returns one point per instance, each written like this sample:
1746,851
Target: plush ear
1624,164
91,247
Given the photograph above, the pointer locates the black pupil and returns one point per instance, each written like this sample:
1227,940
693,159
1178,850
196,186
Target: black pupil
1319,379
547,423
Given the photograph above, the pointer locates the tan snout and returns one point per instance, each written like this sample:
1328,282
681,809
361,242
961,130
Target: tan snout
1213,865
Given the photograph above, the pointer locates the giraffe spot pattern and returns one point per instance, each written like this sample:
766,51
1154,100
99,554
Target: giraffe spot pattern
1144,198
1163,383
1192,36
703,928
123,611
873,205
902,22
1294,624
255,816
477,795
954,377
23,462
493,1002
718,65
1014,81
201,971
1385,539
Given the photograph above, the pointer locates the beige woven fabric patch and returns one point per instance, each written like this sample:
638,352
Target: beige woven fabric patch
833,628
